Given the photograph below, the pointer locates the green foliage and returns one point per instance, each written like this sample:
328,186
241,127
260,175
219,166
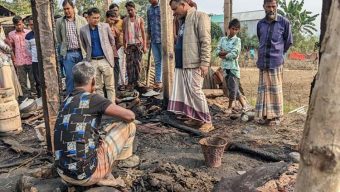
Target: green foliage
142,7
246,40
122,9
83,5
303,26
305,44
19,7
215,60
302,20
216,34
57,9
216,31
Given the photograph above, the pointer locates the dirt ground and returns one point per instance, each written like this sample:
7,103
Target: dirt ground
172,160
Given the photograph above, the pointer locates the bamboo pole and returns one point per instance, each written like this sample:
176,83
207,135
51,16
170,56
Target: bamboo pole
167,48
43,28
227,13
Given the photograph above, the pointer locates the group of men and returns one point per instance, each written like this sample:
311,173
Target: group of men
108,45
93,55
22,53
84,156
115,48
92,50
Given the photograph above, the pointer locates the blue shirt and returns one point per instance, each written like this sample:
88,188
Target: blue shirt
154,23
97,50
275,38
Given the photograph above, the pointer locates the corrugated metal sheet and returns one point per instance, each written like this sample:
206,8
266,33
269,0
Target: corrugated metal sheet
248,19
250,16
242,16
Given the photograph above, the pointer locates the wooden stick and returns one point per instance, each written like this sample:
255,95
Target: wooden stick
25,162
12,164
28,121
148,69
181,127
212,93
167,48
48,67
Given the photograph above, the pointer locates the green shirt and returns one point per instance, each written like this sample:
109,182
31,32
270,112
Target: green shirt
233,48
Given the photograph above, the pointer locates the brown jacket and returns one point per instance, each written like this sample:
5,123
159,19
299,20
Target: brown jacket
107,41
196,40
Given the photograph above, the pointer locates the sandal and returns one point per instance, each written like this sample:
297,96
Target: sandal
263,122
193,123
206,128
269,122
274,122
182,117
121,88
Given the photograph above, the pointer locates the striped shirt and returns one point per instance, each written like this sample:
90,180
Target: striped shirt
71,34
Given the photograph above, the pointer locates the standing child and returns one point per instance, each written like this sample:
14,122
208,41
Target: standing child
228,50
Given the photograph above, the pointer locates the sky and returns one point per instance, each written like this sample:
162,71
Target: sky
216,6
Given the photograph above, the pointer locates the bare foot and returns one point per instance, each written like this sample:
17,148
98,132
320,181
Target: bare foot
109,180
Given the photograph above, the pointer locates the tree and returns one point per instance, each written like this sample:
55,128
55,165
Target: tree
302,20
142,7
320,147
216,31
19,7
122,9
57,10
83,5
246,39
42,15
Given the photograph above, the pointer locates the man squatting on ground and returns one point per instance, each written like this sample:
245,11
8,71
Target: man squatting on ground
82,155
275,37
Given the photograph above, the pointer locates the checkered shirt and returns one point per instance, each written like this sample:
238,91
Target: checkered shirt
71,34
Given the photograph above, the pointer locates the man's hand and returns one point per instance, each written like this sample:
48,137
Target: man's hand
222,53
7,41
145,50
125,51
204,70
120,112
